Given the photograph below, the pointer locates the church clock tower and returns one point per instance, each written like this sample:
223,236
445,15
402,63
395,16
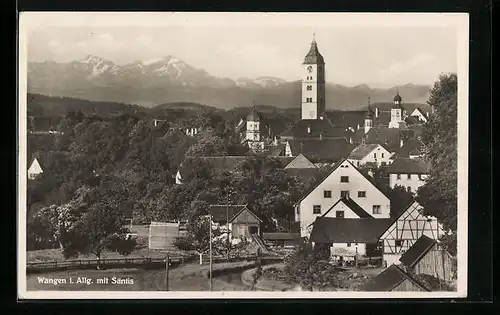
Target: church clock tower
313,84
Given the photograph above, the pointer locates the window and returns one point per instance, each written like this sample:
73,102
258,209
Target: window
374,155
409,176
344,194
398,176
362,194
420,176
317,209
382,155
376,209
383,163
398,243
408,189
327,193
339,214
348,244
358,163
344,179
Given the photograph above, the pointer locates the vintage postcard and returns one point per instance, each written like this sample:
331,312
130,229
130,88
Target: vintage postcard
206,155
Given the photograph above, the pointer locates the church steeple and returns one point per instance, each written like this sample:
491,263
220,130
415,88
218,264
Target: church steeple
314,56
313,83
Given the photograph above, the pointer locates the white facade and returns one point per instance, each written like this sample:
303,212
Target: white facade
288,150
345,178
368,124
352,248
410,181
34,170
341,210
396,117
406,230
192,131
253,131
418,113
178,178
378,155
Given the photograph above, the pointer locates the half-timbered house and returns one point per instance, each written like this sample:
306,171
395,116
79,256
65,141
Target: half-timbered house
405,230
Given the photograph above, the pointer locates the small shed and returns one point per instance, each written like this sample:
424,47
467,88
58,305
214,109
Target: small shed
238,218
34,169
394,279
162,235
426,257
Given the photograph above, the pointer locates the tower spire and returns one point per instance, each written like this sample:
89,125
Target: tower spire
314,38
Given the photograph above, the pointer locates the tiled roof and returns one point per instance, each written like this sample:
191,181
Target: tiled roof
220,213
408,166
411,147
390,278
300,162
383,119
347,118
413,255
389,137
342,230
276,151
313,56
362,150
316,150
351,204
281,236
314,128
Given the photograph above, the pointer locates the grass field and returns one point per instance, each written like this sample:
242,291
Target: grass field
142,249
184,278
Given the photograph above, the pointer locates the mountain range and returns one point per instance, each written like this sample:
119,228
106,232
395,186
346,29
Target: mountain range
170,79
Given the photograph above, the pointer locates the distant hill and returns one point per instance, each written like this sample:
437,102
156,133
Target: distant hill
170,80
185,106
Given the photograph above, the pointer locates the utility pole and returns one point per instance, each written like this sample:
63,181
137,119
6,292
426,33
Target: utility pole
227,226
210,237
167,263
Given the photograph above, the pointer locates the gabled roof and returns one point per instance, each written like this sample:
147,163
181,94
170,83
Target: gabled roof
351,204
276,151
227,163
390,278
220,213
415,253
321,150
408,166
347,118
333,170
363,150
300,162
389,137
411,147
342,230
281,236
420,111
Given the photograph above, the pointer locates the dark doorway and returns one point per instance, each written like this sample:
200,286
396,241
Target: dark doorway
253,230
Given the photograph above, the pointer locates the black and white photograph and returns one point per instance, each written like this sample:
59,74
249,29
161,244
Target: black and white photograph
176,155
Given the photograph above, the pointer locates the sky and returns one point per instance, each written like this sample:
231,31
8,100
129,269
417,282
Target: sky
378,50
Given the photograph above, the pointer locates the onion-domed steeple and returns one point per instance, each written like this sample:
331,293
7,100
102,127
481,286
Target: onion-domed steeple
313,56
397,99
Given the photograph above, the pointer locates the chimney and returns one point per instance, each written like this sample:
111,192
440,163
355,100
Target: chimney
376,111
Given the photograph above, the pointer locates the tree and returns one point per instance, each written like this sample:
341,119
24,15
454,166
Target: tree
198,237
438,195
400,198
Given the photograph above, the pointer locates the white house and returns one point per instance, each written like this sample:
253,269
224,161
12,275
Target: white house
405,230
35,169
344,180
370,153
423,117
348,237
409,173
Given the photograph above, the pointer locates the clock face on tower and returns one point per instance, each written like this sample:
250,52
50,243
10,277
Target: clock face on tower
310,69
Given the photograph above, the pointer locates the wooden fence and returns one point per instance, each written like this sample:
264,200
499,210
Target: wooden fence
145,263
